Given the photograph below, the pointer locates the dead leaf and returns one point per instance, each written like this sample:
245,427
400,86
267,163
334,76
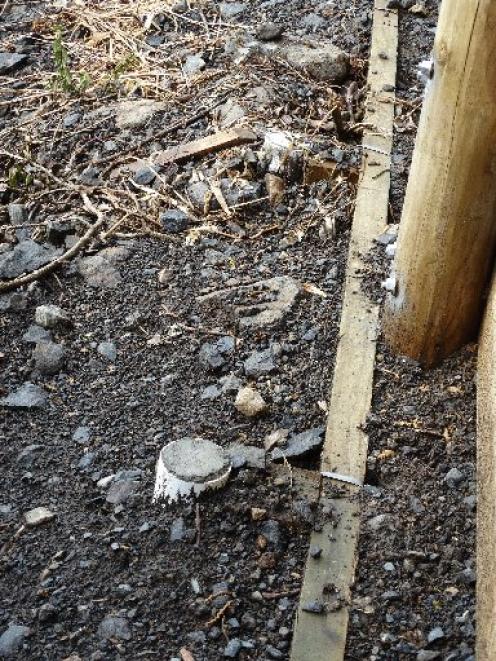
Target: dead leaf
186,654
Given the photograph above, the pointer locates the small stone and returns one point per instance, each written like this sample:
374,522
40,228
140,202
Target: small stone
435,634
136,113
271,530
231,9
28,396
274,653
213,354
49,357
300,445
315,606
51,316
82,435
246,455
120,492
389,567
313,22
467,576
38,516
454,478
15,302
144,176
90,176
86,461
174,221
259,363
57,232
379,522
72,119
232,648
193,64
155,40
198,192
249,402
99,271
210,393
324,62
107,350
12,639
428,655
315,552
269,32
230,114
114,627
177,530
18,214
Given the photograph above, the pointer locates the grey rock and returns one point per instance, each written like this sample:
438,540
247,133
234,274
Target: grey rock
470,502
72,119
155,40
121,491
177,530
248,621
107,350
14,302
301,444
230,113
315,606
38,516
28,396
197,192
27,256
379,522
259,363
213,354
90,176
229,383
274,653
136,113
246,455
210,392
454,478
82,435
114,627
315,552
271,530
313,22
99,272
86,461
144,176
10,62
325,62
232,648
434,635
193,64
428,655
386,238
18,214
269,32
27,455
198,637
467,576
49,357
12,639
231,9
174,221
51,316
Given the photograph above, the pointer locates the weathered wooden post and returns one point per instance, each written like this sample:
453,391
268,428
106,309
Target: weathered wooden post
447,233
486,484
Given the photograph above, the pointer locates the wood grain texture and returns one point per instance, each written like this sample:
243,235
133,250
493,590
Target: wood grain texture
323,637
486,485
447,233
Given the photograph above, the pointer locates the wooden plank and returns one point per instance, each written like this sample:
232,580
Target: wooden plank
202,146
447,236
323,636
486,484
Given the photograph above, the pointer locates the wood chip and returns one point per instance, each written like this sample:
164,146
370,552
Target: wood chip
202,146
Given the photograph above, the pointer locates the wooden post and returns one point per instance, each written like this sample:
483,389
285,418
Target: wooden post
486,485
448,228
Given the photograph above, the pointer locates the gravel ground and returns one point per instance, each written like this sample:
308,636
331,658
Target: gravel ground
101,572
